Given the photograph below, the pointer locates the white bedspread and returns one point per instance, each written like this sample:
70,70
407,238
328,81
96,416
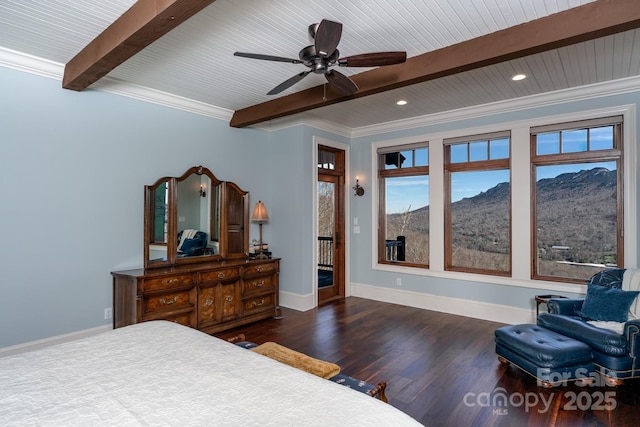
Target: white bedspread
160,373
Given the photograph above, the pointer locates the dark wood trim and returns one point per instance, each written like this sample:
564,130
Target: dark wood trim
382,214
615,154
533,213
483,165
145,22
588,22
472,166
621,200
411,171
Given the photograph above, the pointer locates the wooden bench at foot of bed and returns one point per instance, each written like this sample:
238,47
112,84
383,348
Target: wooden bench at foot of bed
376,390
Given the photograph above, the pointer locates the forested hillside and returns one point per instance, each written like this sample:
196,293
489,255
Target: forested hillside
576,221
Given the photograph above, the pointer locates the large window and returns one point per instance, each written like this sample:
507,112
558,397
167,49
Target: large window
477,205
577,194
403,173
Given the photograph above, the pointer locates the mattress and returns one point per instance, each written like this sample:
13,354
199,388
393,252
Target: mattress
164,374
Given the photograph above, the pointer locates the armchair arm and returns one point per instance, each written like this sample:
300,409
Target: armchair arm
565,306
632,333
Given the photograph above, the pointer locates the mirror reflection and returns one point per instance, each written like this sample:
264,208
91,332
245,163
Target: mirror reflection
159,222
197,206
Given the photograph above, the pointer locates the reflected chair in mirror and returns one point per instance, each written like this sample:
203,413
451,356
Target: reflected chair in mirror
191,243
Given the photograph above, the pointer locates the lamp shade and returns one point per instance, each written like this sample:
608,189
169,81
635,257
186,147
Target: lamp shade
259,212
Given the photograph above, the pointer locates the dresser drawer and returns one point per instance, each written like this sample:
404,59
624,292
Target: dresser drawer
167,282
255,304
253,270
216,275
258,284
168,301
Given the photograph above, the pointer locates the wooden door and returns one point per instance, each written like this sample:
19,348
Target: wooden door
330,239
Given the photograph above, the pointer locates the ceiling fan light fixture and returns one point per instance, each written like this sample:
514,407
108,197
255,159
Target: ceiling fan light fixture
518,77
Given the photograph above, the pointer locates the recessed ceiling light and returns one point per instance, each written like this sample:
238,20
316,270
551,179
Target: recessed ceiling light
401,102
518,77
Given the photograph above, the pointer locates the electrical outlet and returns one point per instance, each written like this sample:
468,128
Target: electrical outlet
108,313
398,281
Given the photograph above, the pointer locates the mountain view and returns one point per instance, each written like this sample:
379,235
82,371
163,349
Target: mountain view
576,224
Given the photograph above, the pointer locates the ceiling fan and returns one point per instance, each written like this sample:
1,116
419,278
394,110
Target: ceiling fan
323,54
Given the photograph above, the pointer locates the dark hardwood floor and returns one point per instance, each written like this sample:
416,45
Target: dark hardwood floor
440,368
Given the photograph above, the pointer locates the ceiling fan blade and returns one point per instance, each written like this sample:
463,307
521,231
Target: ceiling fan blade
267,57
341,82
327,37
376,59
288,83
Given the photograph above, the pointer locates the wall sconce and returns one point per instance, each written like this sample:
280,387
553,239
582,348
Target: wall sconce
359,191
202,192
260,215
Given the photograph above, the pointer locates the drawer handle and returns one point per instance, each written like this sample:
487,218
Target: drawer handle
170,301
221,275
258,304
208,302
260,283
170,281
260,269
229,298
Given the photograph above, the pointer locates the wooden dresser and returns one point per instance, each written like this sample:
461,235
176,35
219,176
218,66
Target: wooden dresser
211,296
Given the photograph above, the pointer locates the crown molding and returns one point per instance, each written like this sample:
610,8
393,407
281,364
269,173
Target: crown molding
54,70
30,64
142,93
306,120
596,90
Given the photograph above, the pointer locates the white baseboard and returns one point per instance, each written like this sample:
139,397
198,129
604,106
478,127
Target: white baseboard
458,306
296,301
46,342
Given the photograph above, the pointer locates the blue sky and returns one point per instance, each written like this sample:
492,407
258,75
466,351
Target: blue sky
410,193
413,192
406,192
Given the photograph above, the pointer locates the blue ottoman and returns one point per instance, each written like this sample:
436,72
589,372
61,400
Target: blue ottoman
548,356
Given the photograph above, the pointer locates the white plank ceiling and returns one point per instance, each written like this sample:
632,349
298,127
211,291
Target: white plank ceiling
196,61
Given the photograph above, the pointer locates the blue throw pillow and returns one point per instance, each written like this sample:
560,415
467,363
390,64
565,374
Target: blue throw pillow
611,277
607,304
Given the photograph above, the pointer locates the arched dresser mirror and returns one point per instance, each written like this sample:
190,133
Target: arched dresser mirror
194,218
197,269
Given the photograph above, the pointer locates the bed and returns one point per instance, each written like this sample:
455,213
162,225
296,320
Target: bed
162,373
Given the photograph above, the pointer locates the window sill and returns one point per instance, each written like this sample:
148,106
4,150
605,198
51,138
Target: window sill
483,278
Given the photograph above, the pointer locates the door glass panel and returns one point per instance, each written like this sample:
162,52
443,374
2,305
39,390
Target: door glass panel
326,214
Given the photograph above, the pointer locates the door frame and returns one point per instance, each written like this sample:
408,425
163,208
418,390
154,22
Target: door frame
347,209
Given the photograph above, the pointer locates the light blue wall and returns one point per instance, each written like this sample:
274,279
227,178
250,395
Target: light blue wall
291,174
72,171
289,206
361,270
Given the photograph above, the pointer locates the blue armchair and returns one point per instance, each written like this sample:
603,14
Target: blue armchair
606,320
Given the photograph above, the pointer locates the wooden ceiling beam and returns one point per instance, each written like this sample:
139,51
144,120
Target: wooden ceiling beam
593,20
145,22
